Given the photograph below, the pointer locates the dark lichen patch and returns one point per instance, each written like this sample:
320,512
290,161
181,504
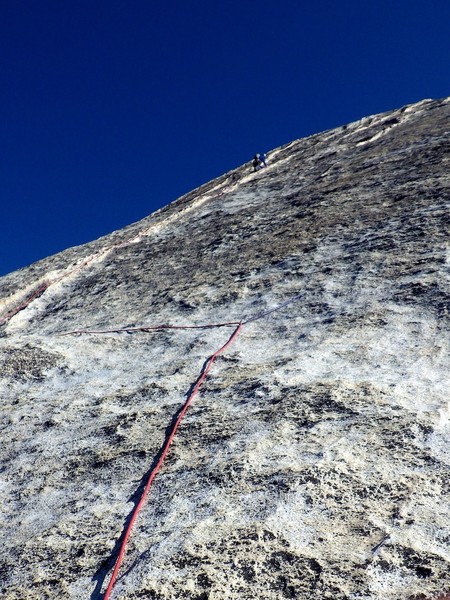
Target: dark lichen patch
28,362
249,568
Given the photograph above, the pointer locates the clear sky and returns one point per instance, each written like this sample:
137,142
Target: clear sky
110,109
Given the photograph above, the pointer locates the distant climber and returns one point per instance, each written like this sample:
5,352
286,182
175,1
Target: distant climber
259,161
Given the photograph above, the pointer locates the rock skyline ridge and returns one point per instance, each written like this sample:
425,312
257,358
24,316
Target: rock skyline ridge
314,461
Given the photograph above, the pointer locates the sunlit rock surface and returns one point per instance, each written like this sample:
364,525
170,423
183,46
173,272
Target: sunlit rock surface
315,461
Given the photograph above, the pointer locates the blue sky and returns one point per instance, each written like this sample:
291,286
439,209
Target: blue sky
110,109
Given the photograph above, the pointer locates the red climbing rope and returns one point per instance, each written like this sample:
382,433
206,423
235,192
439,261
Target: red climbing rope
28,300
151,328
143,328
41,289
163,453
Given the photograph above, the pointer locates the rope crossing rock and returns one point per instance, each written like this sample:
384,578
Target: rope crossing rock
149,328
182,411
28,300
39,290
162,456
222,185
42,287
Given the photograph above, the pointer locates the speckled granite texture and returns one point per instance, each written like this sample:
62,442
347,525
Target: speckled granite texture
315,461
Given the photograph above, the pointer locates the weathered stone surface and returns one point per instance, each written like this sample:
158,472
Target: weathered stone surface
315,462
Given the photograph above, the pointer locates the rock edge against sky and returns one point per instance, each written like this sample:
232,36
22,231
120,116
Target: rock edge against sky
314,462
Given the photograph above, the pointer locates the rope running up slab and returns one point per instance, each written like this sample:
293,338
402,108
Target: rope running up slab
183,410
161,459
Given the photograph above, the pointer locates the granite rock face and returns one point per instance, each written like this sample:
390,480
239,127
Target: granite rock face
315,460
